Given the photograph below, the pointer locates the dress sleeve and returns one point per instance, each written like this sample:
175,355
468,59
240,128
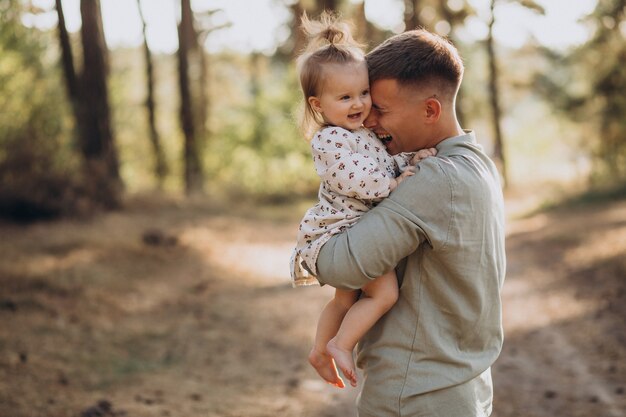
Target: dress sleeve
403,160
346,171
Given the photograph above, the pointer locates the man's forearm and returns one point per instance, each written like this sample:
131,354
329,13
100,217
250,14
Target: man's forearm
337,268
369,249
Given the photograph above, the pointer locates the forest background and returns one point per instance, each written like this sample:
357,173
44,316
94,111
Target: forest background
81,131
152,179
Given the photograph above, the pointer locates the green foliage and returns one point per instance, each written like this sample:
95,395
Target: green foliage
37,165
256,147
589,85
127,88
253,145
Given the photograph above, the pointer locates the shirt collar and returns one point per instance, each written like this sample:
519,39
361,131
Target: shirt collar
448,145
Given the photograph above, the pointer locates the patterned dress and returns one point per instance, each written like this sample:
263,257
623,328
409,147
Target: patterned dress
355,171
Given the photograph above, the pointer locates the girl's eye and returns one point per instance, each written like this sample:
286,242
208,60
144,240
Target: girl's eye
365,93
345,98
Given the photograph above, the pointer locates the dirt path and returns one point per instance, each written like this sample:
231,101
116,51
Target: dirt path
564,309
95,322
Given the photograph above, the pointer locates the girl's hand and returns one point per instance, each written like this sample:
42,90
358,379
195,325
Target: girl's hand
423,154
396,181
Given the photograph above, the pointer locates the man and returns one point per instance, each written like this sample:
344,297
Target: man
443,231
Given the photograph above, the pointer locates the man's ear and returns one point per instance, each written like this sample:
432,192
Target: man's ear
314,102
433,110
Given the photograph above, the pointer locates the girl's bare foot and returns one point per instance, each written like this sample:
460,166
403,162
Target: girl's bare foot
325,367
344,360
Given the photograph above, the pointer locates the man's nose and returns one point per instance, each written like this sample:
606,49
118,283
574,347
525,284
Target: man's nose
372,119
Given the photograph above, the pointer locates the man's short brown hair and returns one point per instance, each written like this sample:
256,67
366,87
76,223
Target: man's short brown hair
417,58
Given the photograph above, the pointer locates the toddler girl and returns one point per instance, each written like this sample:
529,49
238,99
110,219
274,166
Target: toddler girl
356,172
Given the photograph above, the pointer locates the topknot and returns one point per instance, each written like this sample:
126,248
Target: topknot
329,30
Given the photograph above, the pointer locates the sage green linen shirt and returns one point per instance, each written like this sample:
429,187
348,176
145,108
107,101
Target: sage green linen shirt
443,230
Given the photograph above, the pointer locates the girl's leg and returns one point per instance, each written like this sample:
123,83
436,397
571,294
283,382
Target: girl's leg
378,297
327,327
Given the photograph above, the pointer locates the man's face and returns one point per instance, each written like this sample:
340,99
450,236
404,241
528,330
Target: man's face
395,117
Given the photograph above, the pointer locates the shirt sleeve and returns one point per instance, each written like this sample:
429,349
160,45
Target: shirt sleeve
415,213
346,171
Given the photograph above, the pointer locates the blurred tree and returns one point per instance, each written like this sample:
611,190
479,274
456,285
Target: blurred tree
97,140
363,26
494,98
294,45
411,14
427,14
193,63
37,163
89,97
187,49
453,16
441,17
608,82
260,129
591,86
494,93
204,27
296,42
366,32
160,164
67,59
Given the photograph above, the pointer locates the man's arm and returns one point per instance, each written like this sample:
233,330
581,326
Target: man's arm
373,246
388,233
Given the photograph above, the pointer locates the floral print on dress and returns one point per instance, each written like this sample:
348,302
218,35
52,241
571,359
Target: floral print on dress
355,171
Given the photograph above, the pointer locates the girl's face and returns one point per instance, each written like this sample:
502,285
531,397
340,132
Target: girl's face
344,99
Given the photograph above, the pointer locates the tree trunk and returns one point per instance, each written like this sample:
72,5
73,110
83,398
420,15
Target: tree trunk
69,71
67,58
186,36
204,66
160,165
366,32
298,37
96,135
453,19
201,59
260,130
411,14
203,93
494,97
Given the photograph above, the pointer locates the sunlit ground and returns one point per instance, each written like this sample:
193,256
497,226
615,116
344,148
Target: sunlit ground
209,325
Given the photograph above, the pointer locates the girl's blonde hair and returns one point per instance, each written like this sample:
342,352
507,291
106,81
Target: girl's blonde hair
329,42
